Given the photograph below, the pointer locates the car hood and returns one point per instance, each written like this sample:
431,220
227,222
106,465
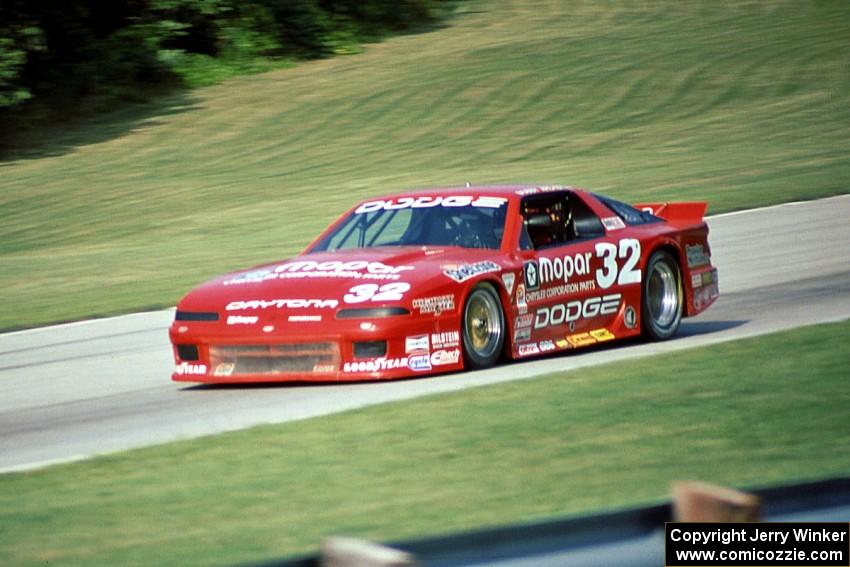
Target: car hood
322,282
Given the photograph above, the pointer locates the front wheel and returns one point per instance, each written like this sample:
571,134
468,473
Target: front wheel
662,296
483,327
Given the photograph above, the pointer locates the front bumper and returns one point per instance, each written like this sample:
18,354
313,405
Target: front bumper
336,351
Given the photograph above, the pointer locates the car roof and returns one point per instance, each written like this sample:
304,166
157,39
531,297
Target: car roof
489,190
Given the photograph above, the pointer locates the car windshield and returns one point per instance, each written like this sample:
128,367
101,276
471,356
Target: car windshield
468,222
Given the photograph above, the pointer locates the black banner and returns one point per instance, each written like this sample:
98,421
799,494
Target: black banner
810,544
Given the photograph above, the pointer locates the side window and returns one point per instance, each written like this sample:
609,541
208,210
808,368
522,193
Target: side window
557,219
585,222
544,219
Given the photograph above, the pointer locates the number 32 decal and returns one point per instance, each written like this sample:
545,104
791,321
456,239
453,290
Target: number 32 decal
374,292
629,251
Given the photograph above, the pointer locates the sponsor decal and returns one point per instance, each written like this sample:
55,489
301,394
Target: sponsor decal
188,369
590,338
703,279
324,368
602,335
541,189
547,346
255,276
619,264
241,320
551,316
282,304
224,369
268,328
307,269
375,365
697,255
522,334
531,274
419,362
706,295
435,305
443,357
581,339
571,288
467,271
508,280
709,290
446,339
562,269
523,321
562,343
528,349
630,317
428,202
356,269
417,344
613,223
521,301
374,292
336,266
305,318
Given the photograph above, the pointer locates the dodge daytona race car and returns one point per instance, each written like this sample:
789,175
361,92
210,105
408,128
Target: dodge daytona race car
451,279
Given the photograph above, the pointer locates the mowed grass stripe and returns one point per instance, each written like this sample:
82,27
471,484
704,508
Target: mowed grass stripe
740,104
740,414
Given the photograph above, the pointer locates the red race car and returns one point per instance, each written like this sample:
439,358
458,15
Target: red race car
442,280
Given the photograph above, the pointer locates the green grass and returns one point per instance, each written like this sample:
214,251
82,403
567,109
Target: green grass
756,412
739,103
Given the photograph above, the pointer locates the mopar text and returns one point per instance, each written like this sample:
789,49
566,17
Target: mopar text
337,266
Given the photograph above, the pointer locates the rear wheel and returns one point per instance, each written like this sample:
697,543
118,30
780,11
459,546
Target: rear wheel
483,327
662,296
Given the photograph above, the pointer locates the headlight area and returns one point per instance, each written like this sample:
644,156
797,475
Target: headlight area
368,350
208,316
371,312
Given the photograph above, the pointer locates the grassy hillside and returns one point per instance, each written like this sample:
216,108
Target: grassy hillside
570,443
740,103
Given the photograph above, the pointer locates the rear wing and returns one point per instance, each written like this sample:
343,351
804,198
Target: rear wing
681,214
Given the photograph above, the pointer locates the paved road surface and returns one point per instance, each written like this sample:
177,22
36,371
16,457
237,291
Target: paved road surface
73,391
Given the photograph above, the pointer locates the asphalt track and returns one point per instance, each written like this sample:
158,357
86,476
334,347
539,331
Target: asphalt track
73,391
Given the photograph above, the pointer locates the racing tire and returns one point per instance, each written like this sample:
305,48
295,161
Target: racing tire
662,297
483,327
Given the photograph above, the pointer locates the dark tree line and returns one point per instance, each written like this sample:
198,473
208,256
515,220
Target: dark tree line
64,52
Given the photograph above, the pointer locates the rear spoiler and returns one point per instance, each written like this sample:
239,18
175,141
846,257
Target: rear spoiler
682,214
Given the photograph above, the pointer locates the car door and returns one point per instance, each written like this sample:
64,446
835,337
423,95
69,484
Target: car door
572,272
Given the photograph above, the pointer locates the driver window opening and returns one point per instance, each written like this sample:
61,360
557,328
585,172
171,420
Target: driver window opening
554,220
